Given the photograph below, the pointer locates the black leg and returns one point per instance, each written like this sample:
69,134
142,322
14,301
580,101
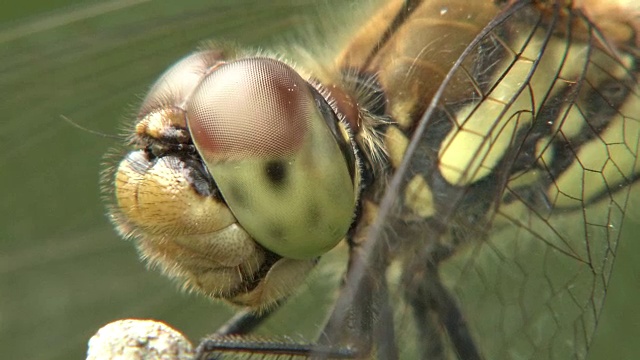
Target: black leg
453,321
435,309
384,333
429,339
232,339
243,322
363,318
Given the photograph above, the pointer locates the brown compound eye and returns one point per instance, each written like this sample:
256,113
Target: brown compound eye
179,81
264,137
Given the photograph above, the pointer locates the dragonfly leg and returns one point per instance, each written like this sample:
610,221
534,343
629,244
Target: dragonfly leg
243,322
435,308
233,338
362,317
432,347
235,347
384,334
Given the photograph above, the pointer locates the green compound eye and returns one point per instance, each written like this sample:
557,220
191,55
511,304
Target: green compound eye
287,175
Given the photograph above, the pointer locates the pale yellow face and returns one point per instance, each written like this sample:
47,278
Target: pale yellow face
240,177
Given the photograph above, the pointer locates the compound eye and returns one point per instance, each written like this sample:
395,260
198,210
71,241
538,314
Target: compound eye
263,134
174,86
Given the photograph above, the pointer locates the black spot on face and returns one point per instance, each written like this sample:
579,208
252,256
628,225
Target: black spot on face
276,172
237,196
276,232
313,216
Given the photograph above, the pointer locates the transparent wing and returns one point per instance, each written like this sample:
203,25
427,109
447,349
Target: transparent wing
530,153
61,263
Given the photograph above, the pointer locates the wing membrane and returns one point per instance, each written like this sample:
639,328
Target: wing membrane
530,148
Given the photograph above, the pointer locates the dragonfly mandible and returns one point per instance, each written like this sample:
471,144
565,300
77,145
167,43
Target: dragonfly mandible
477,159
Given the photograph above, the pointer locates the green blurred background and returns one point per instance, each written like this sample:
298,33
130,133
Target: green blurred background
63,270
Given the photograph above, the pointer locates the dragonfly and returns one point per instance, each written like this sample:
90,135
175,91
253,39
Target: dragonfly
476,161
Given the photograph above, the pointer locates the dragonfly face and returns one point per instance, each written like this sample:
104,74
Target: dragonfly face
283,166
477,158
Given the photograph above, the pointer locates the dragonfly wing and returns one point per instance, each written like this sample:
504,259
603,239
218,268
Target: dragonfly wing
528,157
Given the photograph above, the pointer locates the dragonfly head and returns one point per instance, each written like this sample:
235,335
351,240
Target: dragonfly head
241,176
